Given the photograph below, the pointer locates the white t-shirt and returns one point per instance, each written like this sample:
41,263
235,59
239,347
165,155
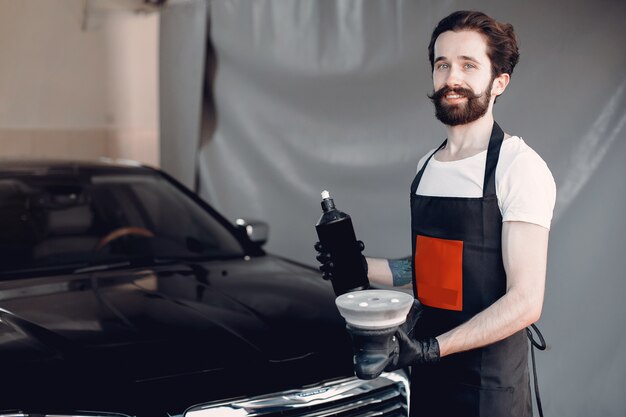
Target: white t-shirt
524,184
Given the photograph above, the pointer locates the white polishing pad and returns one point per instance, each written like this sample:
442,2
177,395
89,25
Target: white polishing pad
374,309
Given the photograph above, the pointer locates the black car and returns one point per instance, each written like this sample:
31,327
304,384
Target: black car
123,293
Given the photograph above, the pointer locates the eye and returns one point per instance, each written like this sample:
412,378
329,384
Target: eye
442,66
469,66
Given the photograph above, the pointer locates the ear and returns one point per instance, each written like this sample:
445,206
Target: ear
499,84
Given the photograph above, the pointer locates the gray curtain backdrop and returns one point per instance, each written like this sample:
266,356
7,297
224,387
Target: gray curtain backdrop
312,95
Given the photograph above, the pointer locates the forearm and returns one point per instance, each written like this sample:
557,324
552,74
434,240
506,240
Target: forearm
378,271
390,272
511,313
524,254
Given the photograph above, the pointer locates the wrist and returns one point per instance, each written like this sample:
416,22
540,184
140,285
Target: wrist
443,345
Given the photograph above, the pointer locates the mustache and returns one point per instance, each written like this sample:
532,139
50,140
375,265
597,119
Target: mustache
465,92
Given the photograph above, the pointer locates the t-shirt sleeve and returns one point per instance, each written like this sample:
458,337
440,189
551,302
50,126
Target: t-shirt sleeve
527,191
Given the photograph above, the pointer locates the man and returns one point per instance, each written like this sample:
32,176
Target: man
481,207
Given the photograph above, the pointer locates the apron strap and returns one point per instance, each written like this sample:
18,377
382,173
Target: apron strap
418,177
541,346
493,154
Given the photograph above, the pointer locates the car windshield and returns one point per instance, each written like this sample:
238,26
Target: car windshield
60,222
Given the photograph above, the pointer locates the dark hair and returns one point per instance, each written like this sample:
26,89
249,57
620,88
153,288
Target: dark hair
502,47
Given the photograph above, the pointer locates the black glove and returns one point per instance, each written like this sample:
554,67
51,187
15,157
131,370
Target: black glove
413,351
326,260
411,318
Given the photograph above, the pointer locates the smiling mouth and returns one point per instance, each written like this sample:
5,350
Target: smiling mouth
454,96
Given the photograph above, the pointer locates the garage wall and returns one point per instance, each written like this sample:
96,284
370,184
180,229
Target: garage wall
77,80
313,95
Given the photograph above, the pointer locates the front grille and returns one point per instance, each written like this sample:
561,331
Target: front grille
386,396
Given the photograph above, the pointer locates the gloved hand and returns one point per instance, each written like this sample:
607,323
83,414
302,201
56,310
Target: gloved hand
326,260
388,349
412,317
411,351
414,352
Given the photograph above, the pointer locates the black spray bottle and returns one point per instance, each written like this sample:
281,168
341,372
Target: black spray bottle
336,234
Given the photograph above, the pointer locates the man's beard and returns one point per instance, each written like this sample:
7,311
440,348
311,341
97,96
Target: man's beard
473,109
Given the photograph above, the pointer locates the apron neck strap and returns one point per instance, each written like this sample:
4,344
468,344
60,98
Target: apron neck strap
493,154
418,177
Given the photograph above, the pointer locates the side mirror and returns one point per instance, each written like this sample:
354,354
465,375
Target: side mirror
256,230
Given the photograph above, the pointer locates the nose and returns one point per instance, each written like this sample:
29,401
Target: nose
454,76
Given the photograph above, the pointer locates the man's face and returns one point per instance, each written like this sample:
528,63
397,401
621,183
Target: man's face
462,77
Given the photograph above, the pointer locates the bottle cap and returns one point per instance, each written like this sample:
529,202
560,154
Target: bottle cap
327,203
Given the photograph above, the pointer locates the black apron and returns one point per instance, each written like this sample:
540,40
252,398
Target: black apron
457,273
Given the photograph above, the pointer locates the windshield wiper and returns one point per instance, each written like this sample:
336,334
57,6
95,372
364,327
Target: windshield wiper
9,274
102,267
136,262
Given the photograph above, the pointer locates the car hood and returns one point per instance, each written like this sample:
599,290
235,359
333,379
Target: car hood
194,325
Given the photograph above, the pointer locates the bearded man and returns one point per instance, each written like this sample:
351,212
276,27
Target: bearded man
481,207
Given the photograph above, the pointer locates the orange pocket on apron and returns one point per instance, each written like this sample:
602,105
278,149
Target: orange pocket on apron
439,272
